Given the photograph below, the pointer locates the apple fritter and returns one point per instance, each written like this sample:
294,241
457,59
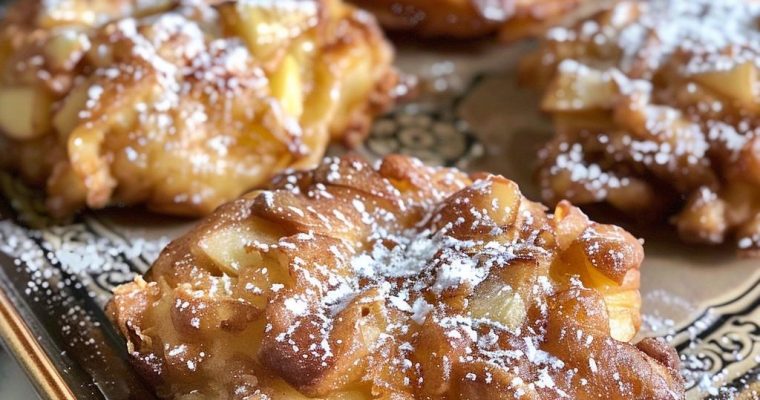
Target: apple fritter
181,105
395,282
470,18
657,112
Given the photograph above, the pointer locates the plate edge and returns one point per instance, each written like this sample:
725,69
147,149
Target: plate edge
20,341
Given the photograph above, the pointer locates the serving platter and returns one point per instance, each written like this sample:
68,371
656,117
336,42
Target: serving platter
56,276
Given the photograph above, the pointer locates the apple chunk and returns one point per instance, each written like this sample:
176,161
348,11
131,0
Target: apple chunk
267,27
499,303
66,119
738,83
231,248
24,112
577,87
287,87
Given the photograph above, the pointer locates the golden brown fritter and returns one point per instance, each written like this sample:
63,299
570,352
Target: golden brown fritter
395,282
511,19
181,105
656,109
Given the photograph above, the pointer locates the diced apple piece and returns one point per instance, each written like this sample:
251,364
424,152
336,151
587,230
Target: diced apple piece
602,255
320,105
504,202
624,316
94,12
569,222
499,303
661,123
24,112
622,301
267,26
577,87
67,117
64,50
493,202
738,83
354,84
65,12
287,87
231,248
606,258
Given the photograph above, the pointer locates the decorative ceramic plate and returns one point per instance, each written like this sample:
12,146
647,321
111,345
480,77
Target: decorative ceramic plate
55,279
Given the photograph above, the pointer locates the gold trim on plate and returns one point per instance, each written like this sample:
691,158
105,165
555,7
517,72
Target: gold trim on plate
33,359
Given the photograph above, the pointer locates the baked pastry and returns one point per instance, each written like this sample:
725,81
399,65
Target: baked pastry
396,282
656,112
181,105
470,18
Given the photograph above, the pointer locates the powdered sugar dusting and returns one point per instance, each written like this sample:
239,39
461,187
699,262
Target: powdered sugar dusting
73,255
435,276
672,88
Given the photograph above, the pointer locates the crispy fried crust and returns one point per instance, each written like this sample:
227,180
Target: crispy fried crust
655,105
470,18
395,282
182,105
